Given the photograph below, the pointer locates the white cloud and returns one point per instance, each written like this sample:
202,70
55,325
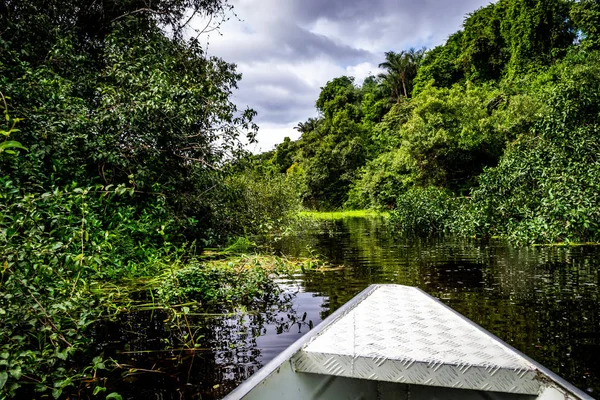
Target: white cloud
270,135
362,70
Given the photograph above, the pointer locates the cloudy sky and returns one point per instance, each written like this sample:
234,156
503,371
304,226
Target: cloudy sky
288,49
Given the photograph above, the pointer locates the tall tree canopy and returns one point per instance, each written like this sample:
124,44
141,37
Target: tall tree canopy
115,92
586,18
506,38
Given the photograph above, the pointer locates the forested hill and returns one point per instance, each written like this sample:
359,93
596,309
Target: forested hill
495,132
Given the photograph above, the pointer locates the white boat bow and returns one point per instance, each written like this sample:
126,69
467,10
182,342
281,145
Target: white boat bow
398,342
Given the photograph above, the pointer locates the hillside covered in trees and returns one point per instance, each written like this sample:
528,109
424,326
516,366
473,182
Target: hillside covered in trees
494,133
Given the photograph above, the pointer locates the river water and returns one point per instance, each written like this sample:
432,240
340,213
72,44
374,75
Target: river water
543,301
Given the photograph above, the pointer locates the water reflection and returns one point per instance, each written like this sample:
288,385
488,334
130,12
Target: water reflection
543,301
231,347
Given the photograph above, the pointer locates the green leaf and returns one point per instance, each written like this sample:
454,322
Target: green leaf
99,389
115,396
11,144
62,354
12,388
3,379
56,393
16,373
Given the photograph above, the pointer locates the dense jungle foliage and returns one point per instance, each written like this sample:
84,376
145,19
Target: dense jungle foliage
494,133
120,158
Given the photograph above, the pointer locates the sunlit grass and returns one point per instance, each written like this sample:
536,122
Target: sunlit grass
566,244
335,215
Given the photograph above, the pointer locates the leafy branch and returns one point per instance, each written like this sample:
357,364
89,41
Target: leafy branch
7,145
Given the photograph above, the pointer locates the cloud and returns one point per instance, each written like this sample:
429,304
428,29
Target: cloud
287,50
363,70
284,92
383,25
271,134
279,40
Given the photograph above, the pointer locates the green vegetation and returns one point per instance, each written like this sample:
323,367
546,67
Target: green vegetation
401,71
494,133
422,211
230,282
120,160
546,186
323,215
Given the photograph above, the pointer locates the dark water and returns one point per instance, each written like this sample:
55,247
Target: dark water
544,301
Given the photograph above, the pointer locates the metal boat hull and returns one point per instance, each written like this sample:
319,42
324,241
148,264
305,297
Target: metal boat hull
397,342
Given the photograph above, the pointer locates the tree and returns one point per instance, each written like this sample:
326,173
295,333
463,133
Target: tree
333,147
586,18
308,126
484,53
283,158
337,95
507,38
112,93
401,70
374,101
537,33
546,186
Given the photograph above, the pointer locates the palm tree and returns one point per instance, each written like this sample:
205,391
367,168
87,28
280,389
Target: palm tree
308,126
401,69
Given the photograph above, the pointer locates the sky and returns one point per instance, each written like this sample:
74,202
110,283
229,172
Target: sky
287,50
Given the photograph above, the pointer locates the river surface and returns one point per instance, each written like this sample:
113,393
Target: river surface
543,301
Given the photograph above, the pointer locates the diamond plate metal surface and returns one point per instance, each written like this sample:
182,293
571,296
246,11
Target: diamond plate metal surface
401,334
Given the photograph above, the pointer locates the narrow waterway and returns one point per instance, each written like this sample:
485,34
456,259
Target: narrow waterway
542,300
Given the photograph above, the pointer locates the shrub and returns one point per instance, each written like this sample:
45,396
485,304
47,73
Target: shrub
255,203
381,180
53,246
546,187
423,211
